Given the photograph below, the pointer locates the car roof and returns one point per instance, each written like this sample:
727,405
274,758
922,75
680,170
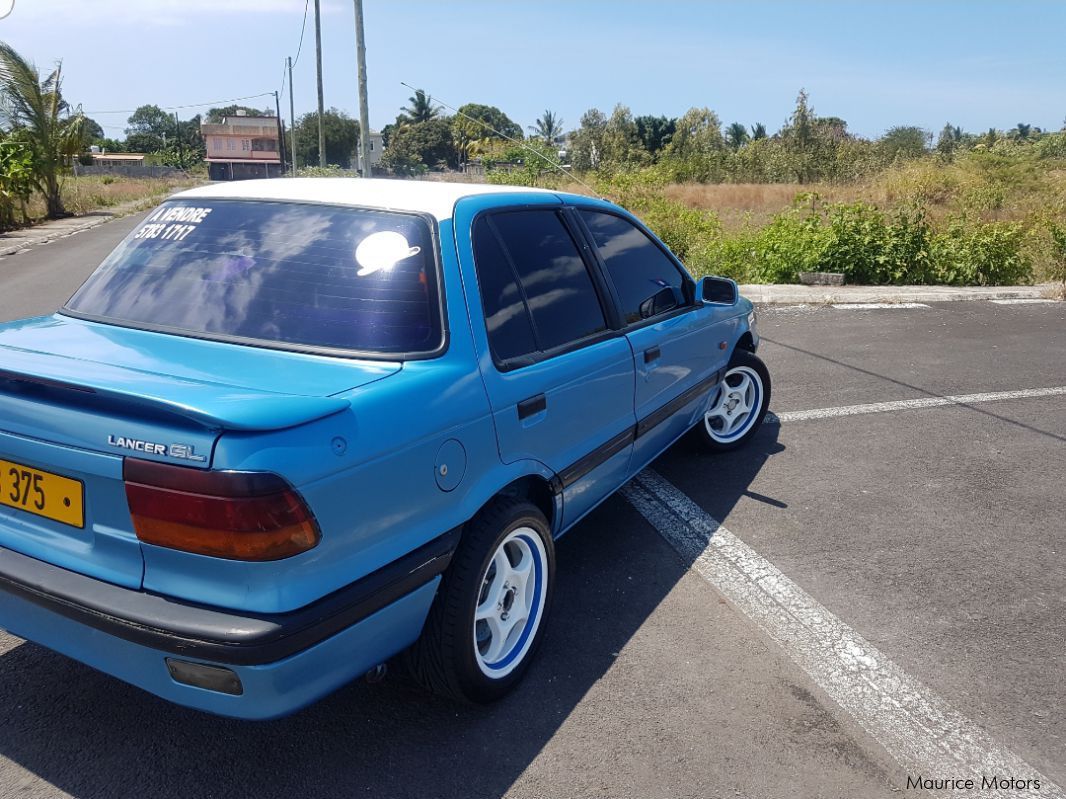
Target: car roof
433,197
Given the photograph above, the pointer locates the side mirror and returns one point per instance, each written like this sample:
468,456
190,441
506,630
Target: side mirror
665,299
719,290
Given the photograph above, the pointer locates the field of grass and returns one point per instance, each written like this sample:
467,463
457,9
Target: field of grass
88,193
982,219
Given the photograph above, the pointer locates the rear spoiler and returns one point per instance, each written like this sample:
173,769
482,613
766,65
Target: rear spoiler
213,405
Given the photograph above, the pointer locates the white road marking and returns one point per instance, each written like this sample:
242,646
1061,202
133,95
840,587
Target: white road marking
1025,302
926,735
871,306
911,404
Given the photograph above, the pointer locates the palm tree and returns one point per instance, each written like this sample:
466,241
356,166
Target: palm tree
36,108
736,135
421,108
758,131
1021,131
549,127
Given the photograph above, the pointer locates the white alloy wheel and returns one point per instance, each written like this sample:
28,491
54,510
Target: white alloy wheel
737,405
511,603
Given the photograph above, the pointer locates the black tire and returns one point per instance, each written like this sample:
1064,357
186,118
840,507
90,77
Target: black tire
445,659
742,363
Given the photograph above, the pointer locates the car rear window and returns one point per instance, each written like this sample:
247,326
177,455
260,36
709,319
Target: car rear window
288,273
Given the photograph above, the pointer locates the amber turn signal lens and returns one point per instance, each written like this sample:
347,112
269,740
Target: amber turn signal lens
254,516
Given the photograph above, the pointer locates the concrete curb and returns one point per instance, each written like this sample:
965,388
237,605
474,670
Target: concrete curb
818,295
18,240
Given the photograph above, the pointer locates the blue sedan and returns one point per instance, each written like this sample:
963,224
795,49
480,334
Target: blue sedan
291,429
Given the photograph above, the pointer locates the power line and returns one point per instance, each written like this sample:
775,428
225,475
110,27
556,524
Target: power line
190,105
303,27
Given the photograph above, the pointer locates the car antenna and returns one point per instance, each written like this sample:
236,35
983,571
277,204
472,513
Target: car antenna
519,142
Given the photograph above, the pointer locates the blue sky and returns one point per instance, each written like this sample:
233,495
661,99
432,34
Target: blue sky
875,64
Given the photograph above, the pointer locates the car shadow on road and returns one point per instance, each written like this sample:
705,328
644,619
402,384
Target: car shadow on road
91,735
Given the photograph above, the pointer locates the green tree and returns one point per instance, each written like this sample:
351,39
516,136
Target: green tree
91,132
904,142
697,152
421,108
51,130
1022,132
548,127
416,146
475,126
110,145
736,136
16,181
655,132
758,131
699,132
798,136
812,142
493,122
586,143
341,134
148,129
948,141
622,147
215,116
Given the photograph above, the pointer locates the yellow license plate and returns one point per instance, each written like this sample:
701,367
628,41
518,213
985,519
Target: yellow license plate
42,493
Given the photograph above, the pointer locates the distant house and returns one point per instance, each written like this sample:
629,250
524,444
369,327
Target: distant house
242,147
377,147
117,159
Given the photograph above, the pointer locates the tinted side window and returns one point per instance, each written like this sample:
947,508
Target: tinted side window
506,317
637,266
557,285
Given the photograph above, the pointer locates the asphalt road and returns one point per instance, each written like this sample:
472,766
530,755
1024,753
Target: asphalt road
937,534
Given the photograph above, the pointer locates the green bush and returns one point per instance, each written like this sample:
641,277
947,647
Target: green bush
870,248
982,254
331,171
863,243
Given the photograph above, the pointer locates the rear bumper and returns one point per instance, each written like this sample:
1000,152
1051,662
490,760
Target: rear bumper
283,661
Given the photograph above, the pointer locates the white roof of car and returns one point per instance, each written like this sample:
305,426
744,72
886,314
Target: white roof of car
432,197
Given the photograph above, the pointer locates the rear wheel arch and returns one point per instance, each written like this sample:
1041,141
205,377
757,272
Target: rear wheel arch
532,488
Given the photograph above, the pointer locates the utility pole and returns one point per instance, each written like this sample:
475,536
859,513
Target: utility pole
292,122
177,133
364,113
281,134
321,104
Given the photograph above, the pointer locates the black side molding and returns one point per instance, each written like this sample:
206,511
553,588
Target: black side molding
602,453
222,636
575,471
664,412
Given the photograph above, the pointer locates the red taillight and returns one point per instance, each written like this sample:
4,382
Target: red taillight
236,515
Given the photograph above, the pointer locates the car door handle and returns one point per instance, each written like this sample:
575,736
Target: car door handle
532,406
652,354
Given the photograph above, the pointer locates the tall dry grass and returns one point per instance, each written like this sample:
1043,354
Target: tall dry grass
87,193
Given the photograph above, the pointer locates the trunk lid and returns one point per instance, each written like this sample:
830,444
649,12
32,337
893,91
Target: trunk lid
76,396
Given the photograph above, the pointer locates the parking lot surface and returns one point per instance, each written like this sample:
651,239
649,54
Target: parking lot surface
931,536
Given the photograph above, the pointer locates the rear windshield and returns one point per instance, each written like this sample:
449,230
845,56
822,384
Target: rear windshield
297,275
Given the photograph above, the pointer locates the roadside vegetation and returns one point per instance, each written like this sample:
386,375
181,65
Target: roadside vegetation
42,135
959,208
738,200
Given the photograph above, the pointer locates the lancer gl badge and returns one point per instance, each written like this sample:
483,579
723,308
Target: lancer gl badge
186,452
